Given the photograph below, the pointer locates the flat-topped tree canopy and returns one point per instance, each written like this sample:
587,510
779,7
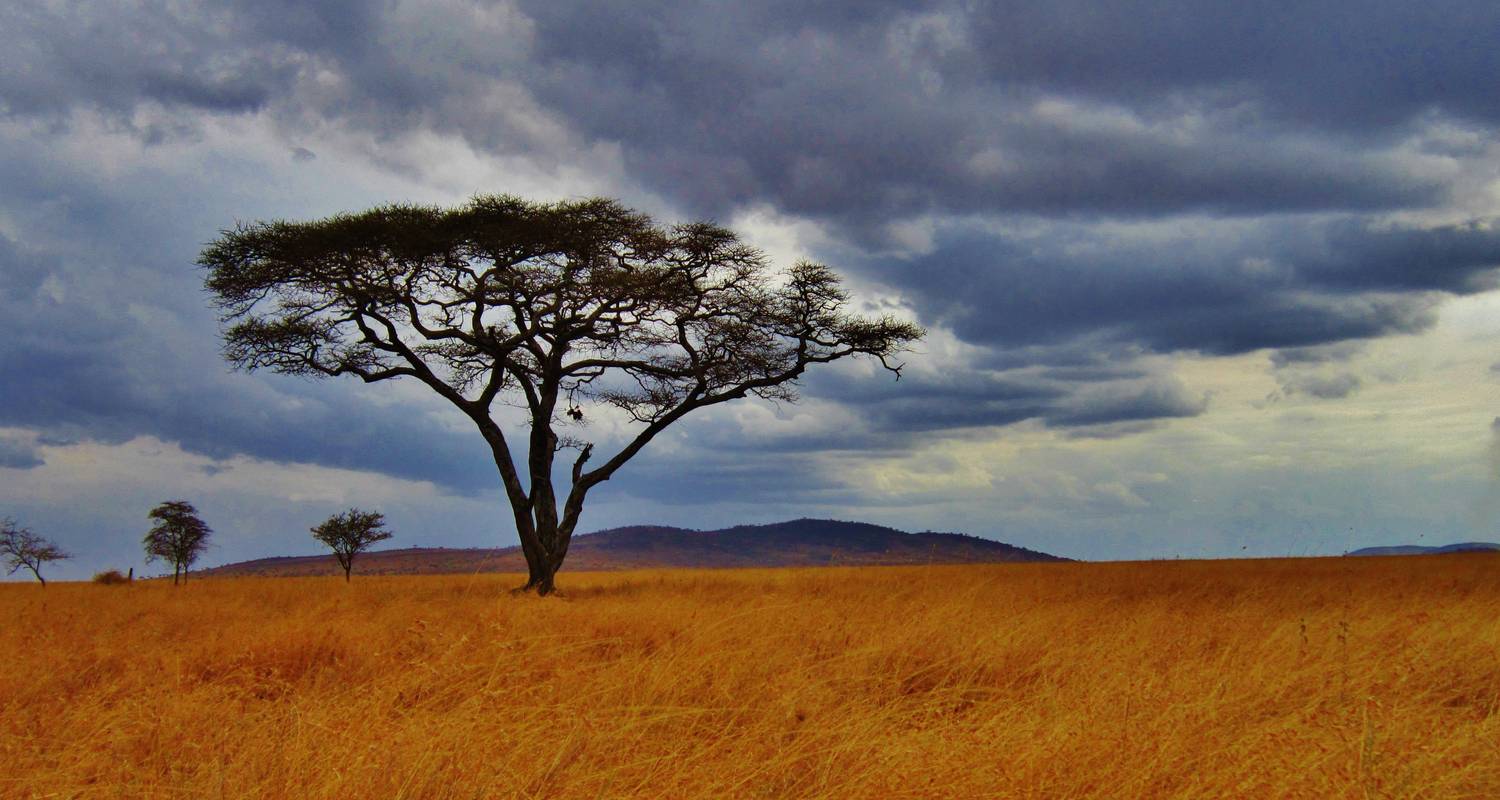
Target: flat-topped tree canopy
551,306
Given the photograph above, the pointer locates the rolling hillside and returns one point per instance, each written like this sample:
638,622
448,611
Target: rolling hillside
798,543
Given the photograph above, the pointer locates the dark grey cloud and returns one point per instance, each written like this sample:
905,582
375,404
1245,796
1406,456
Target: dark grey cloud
853,112
947,108
1363,70
1324,354
856,112
1354,255
109,337
965,399
874,416
383,68
961,399
113,57
1319,371
17,453
1219,288
1323,387
1113,430
97,387
1165,107
1161,399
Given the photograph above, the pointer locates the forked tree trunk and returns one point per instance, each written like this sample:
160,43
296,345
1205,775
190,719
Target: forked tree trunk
531,551
541,567
544,555
543,533
531,546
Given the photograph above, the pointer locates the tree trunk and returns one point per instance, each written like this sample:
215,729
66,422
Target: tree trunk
516,497
540,566
553,540
176,571
531,549
542,578
346,572
38,574
544,537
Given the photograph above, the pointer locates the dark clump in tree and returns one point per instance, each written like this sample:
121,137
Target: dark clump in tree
561,309
178,537
19,547
349,533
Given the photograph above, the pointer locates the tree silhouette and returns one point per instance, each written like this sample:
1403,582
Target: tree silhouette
19,547
178,537
349,533
570,311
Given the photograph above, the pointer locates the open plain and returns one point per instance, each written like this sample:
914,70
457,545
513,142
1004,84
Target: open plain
1316,678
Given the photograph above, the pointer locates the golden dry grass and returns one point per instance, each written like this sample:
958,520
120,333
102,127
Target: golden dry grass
1262,679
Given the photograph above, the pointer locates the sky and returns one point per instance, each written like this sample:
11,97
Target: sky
1200,279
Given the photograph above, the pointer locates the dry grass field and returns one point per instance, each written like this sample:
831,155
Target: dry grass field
1317,678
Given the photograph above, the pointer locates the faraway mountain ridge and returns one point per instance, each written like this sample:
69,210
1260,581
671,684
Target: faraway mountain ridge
1424,550
797,543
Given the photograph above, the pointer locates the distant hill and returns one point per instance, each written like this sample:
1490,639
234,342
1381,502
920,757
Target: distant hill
798,543
1419,550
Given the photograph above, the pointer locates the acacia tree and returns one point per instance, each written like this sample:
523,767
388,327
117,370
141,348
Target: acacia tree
178,537
567,311
349,533
19,547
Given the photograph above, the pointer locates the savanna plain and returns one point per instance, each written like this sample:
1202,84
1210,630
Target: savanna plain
1337,677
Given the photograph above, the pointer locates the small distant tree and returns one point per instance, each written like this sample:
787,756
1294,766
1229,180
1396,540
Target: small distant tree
178,537
349,533
20,547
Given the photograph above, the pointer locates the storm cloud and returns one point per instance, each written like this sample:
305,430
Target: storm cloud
853,111
1075,198
1219,287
